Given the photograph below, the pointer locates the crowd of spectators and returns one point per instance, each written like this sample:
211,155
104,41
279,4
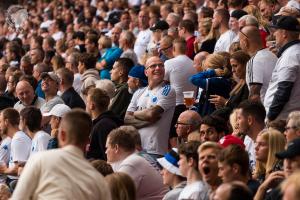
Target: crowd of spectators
93,105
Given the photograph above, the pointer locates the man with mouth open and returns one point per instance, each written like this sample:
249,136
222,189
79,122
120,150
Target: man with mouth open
208,163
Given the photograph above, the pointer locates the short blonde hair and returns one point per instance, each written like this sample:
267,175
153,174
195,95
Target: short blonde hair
209,145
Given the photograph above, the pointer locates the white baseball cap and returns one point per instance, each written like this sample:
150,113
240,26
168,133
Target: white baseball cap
59,110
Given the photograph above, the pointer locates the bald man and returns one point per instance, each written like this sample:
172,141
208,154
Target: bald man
187,122
198,60
260,67
235,190
27,97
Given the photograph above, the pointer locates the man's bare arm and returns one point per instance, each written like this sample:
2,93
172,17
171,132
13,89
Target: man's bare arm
131,120
152,114
254,93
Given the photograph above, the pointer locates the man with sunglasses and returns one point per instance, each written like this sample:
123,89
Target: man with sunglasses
151,109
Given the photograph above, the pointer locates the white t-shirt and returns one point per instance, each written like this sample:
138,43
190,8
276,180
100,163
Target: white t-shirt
195,191
58,35
177,72
20,149
259,70
39,142
155,136
287,69
224,41
4,155
250,148
141,43
293,4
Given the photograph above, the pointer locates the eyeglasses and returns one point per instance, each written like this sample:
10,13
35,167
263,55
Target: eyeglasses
183,124
165,49
160,65
290,127
243,33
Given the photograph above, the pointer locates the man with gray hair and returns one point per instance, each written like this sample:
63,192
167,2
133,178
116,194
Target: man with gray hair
126,43
173,20
292,129
72,62
38,69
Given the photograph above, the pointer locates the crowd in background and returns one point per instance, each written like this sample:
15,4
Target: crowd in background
94,100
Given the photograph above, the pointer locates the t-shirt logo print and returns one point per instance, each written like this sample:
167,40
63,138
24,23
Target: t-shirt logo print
154,99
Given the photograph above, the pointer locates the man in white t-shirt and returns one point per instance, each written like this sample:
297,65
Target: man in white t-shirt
177,73
56,29
72,62
144,36
50,83
121,154
221,22
151,109
250,121
260,67
283,94
20,143
30,123
4,152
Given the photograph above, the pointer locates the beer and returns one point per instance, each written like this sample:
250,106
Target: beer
189,99
189,102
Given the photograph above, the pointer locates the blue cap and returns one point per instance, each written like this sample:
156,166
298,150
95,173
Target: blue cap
139,72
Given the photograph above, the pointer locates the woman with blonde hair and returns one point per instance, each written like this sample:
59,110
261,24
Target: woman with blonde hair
268,143
254,11
121,186
213,80
208,36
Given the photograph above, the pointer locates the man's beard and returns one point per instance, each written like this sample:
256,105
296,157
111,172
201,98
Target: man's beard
131,91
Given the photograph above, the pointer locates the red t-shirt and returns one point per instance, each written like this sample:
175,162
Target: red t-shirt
190,47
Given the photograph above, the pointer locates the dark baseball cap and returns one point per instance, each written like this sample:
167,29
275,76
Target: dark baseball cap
238,14
288,23
160,25
293,150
